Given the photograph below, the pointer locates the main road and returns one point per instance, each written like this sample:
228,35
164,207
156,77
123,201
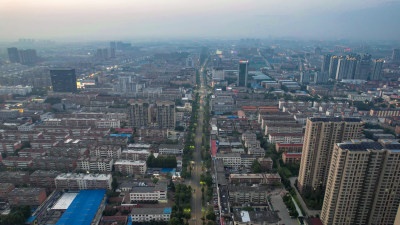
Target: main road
197,207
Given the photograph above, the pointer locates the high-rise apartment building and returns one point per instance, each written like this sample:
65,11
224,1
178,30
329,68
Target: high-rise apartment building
13,55
26,57
377,70
333,66
189,62
363,184
396,55
63,79
101,54
319,139
126,85
346,68
243,73
165,114
139,114
305,77
363,68
323,76
113,48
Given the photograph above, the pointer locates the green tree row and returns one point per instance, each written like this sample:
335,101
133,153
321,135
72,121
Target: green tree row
161,161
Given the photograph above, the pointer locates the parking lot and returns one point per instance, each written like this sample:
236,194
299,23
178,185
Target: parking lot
280,206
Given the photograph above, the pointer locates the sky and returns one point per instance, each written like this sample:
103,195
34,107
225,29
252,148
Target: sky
182,19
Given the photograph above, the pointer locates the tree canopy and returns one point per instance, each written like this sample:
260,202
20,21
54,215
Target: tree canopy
161,161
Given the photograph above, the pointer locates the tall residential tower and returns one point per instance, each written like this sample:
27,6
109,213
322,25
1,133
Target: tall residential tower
243,73
363,184
320,137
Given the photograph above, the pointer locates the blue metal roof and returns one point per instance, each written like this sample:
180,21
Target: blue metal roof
83,209
167,210
30,219
168,170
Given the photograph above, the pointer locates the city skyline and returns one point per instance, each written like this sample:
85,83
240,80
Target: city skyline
199,113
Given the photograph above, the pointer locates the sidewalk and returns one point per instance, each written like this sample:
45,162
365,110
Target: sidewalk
309,212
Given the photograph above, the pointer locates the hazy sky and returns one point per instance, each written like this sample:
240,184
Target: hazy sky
123,19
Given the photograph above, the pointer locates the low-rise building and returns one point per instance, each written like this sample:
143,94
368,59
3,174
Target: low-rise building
236,160
86,208
54,163
272,178
27,196
9,146
169,149
79,181
150,214
252,144
95,164
135,154
266,163
28,152
384,112
148,193
291,158
247,160
16,178
130,167
258,152
17,162
106,151
285,138
249,136
285,147
239,195
5,188
230,159
44,179
272,128
246,178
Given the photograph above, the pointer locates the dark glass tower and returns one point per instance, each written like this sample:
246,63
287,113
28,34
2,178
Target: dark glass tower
63,79
243,73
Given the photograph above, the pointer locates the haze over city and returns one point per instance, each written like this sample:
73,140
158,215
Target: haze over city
213,112
180,19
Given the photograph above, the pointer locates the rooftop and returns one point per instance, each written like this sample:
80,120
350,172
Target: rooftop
292,155
129,162
364,145
83,208
26,191
334,119
90,176
145,211
287,134
65,201
246,176
256,217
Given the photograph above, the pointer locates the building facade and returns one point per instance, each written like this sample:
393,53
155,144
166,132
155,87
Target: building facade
63,79
79,181
362,185
320,137
243,73
130,167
